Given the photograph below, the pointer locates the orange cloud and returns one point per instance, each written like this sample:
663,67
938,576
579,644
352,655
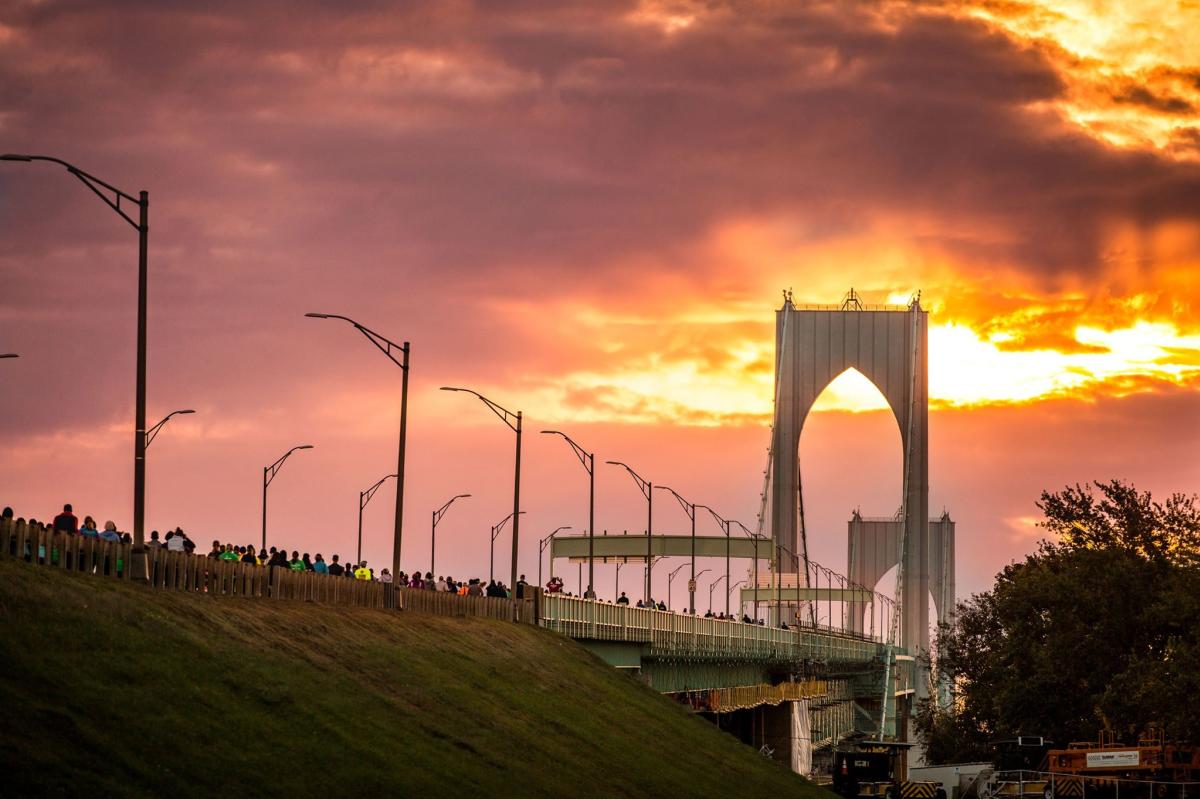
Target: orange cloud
1131,66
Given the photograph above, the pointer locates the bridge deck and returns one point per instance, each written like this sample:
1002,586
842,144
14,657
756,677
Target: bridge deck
673,635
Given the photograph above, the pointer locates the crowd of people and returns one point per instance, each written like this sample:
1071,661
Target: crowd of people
178,541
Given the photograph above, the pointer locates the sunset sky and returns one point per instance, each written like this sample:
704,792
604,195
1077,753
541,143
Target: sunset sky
588,211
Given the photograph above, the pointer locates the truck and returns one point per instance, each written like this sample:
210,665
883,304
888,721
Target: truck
874,769
1030,767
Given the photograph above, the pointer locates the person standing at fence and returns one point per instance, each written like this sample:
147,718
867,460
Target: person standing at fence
110,533
385,576
216,550
296,564
89,528
248,556
308,564
362,572
336,569
67,521
229,554
320,566
189,546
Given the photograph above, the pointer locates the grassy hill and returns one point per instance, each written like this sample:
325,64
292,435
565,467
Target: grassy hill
114,689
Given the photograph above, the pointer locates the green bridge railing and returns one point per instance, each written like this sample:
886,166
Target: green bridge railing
666,634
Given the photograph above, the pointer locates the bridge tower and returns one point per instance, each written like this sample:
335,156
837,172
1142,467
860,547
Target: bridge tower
889,346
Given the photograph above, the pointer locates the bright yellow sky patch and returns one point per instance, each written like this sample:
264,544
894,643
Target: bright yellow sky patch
1131,67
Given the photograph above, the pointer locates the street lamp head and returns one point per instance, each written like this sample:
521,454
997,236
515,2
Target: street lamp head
451,388
317,315
462,496
188,410
13,157
9,355
304,446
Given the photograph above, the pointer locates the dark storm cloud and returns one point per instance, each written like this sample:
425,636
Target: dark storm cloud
379,154
589,132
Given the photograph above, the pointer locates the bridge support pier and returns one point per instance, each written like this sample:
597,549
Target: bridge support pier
783,732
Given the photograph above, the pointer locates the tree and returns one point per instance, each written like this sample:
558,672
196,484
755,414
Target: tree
1100,629
1122,518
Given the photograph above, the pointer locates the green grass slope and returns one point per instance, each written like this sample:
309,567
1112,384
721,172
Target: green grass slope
110,689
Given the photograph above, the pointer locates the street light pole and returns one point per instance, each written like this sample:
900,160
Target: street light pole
732,589
588,459
670,578
690,509
496,530
713,585
647,489
387,346
724,524
754,538
113,196
513,420
542,544
269,473
363,498
437,517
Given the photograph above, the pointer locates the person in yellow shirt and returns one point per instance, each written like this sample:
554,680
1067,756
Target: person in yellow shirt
362,572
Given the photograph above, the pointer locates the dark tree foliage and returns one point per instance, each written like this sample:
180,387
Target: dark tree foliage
1098,630
1121,518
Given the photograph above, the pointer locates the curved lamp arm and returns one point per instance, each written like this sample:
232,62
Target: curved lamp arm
153,431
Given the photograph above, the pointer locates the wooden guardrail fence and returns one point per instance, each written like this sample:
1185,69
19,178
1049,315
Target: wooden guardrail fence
179,571
443,603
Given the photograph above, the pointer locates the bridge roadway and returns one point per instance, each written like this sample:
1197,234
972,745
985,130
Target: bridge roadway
684,655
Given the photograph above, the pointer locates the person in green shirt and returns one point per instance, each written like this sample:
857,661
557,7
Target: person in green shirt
296,564
228,553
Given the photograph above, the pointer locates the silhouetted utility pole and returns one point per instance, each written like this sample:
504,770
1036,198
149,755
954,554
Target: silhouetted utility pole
690,509
437,517
647,489
496,530
513,420
387,347
588,459
542,544
113,196
364,497
725,527
269,473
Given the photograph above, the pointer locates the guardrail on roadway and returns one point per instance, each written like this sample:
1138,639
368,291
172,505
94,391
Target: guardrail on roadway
677,635
200,574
